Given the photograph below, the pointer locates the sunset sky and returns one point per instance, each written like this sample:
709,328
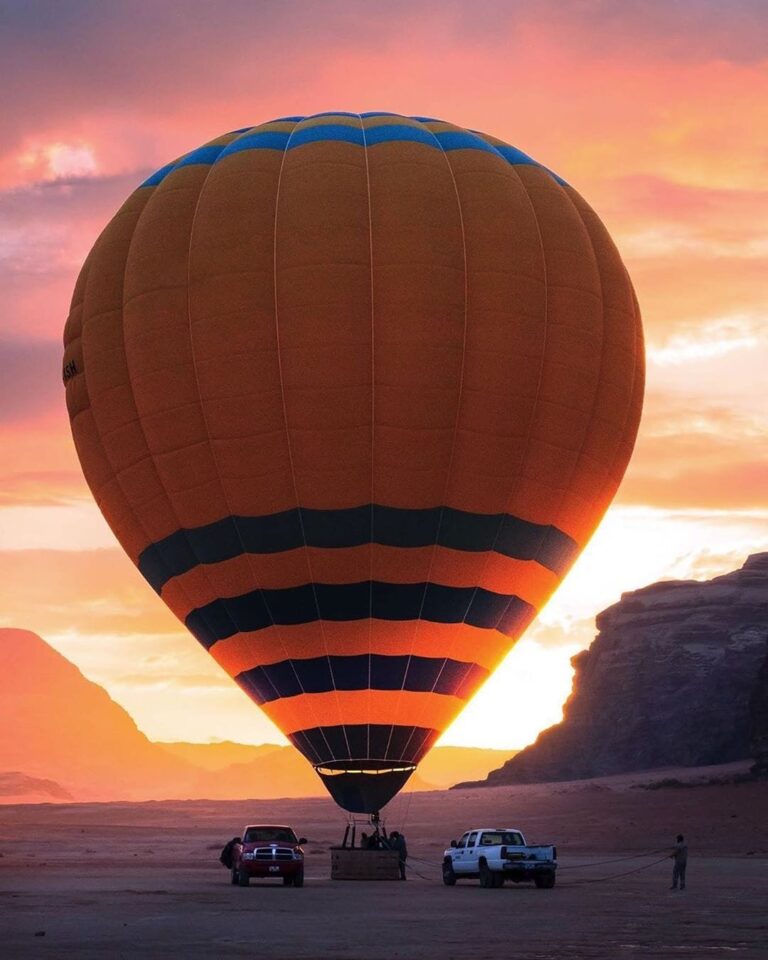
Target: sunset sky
654,111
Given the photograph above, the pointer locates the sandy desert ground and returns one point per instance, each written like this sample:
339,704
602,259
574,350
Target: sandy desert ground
142,879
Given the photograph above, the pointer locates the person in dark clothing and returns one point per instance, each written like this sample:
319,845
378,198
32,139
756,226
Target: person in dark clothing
228,853
680,856
397,842
368,842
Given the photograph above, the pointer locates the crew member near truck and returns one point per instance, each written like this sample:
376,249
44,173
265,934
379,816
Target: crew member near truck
680,856
228,853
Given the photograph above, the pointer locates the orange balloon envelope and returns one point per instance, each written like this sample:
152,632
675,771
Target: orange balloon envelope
353,391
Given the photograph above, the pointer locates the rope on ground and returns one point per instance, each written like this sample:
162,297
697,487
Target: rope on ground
599,863
430,863
614,876
570,883
411,869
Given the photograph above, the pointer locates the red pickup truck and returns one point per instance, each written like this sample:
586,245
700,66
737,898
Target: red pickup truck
268,851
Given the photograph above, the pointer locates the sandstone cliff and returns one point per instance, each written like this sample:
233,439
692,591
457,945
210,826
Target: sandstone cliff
666,682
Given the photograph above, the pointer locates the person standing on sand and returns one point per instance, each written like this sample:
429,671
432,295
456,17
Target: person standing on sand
397,842
680,856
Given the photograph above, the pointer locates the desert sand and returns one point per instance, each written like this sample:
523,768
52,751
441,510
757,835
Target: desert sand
142,879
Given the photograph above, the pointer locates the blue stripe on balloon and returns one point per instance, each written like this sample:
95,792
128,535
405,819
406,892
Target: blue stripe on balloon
205,155
158,175
310,602
326,132
290,678
401,133
459,140
341,133
258,140
353,527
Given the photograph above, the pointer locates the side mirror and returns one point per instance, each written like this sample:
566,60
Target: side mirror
303,840
453,843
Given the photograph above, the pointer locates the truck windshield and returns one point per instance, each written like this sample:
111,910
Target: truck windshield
269,835
509,837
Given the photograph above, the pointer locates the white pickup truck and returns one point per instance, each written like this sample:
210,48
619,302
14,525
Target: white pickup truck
497,854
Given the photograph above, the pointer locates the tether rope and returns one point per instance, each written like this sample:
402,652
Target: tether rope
575,866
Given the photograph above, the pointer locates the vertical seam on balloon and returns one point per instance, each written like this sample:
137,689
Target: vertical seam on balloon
209,439
529,434
134,513
453,442
590,419
373,427
290,452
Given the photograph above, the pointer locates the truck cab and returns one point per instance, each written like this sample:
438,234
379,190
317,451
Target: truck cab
497,854
269,850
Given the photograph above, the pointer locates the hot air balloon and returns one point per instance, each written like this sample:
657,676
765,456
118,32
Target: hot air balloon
353,391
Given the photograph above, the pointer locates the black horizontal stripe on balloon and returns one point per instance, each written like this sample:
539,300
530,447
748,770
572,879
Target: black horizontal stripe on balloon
375,671
364,741
290,606
353,527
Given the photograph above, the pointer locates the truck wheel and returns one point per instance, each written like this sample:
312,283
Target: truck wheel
545,882
486,877
298,878
242,879
449,877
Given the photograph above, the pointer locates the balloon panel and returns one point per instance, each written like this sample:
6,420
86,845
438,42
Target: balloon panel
353,391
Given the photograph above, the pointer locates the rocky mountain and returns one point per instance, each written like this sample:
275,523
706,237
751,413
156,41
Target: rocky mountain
671,679
59,725
219,755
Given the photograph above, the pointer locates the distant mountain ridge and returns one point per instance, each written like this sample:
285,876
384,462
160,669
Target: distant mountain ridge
439,769
17,787
673,678
65,738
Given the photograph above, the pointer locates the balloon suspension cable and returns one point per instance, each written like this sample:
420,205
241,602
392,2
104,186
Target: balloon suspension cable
375,837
